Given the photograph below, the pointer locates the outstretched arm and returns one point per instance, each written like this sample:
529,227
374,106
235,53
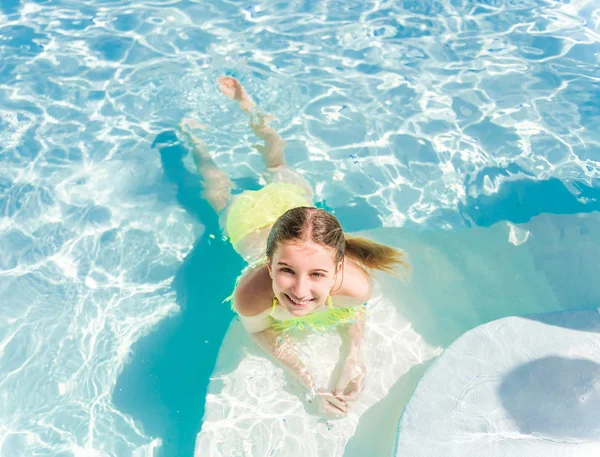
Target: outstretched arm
286,352
351,382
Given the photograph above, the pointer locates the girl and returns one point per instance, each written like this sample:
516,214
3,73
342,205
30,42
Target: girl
304,272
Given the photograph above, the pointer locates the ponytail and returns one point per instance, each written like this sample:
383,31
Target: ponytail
321,227
374,256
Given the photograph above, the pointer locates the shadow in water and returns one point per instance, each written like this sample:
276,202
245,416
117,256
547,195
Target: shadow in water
584,320
519,201
555,397
164,385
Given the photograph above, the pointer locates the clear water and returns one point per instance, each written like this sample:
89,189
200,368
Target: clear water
427,115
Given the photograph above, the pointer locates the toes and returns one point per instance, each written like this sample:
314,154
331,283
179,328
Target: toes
225,80
228,83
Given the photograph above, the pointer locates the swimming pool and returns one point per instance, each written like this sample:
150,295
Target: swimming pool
425,115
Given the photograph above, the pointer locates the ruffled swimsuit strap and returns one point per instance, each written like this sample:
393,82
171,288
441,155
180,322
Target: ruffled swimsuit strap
329,302
273,306
320,321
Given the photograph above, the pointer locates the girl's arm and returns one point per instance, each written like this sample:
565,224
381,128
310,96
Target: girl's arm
356,332
277,344
351,381
283,348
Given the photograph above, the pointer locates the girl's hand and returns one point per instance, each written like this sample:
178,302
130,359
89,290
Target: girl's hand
329,405
352,380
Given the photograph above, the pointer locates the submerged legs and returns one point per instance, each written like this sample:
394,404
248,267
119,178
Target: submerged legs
217,185
273,149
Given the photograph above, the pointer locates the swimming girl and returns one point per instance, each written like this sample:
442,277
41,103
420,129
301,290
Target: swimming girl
304,272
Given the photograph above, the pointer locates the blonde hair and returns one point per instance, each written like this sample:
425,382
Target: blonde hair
305,223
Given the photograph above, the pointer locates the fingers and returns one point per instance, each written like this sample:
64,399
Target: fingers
342,386
337,403
356,384
332,405
347,391
342,382
329,410
332,411
352,389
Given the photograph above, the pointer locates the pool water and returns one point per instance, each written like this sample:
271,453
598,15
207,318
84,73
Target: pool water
438,116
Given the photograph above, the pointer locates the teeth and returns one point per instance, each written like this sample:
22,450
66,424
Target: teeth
300,302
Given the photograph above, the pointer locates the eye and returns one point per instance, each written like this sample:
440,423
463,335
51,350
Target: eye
286,270
318,275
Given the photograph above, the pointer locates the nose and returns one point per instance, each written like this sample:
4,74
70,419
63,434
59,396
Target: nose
300,289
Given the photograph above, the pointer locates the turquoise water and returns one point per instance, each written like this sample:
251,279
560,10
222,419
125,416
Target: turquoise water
425,115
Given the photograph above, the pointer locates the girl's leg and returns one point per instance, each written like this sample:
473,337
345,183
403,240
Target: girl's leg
273,150
216,183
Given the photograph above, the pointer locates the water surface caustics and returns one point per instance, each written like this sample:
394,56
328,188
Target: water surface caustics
410,108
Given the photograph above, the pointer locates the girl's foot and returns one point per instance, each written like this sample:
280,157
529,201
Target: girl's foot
232,88
272,150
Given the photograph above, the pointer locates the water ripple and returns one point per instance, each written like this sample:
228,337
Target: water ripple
413,107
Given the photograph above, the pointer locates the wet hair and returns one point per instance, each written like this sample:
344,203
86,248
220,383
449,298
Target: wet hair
321,227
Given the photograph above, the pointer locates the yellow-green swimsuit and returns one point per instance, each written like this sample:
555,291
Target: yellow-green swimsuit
320,321
254,210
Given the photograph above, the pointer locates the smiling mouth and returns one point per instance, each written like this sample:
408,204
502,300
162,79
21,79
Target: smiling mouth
299,304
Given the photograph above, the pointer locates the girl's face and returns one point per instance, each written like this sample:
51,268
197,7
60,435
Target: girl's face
303,275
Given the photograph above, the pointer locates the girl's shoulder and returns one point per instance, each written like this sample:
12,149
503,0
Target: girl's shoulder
356,287
253,294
